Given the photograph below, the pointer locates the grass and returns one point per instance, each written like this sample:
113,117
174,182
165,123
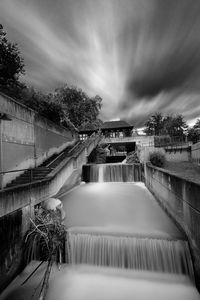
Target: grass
185,169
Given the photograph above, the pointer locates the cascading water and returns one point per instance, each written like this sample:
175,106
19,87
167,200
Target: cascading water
161,255
101,174
140,250
113,172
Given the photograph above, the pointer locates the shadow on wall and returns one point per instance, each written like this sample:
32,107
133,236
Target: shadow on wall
10,247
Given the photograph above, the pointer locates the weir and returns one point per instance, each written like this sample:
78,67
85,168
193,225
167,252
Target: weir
121,225
120,245
150,254
112,172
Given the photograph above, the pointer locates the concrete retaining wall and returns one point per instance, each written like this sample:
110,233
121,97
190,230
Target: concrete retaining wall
180,198
22,201
195,153
176,154
27,139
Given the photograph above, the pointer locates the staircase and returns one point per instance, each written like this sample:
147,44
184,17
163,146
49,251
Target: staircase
39,173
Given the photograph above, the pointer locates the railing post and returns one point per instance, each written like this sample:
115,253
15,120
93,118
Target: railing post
31,175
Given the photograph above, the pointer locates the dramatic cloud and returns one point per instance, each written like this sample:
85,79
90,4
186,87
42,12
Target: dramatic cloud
141,56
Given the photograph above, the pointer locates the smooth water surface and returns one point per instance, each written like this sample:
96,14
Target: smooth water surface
97,283
117,208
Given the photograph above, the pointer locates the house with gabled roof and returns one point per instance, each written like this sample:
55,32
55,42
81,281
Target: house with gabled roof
115,129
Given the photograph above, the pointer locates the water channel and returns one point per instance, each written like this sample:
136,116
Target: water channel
121,245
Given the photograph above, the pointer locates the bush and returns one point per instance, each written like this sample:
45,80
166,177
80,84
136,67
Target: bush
132,158
157,159
98,156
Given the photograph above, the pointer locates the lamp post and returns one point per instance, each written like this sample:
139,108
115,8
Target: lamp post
3,117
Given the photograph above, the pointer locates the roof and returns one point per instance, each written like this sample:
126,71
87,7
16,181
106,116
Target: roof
116,124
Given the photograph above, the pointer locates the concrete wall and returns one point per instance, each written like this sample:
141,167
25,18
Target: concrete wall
195,153
180,198
17,206
28,139
177,154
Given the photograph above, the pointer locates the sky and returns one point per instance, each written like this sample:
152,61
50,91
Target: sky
140,56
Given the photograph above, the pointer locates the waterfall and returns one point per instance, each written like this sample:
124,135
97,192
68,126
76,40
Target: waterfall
112,173
141,253
101,174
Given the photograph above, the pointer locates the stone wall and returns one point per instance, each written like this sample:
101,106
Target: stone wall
180,198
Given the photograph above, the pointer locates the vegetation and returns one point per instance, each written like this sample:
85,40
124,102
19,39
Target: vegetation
67,106
98,155
11,64
45,241
132,158
172,125
157,159
194,132
81,109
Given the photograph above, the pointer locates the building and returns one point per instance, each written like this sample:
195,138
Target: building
116,129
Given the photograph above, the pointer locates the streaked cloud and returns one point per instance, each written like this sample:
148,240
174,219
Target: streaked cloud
141,56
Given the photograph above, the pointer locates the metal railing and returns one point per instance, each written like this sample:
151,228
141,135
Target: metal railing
28,176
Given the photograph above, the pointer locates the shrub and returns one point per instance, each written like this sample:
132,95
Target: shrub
98,156
132,158
157,159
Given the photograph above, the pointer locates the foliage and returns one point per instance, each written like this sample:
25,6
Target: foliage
132,157
98,155
45,106
194,132
78,106
154,125
45,241
46,236
11,63
172,125
157,159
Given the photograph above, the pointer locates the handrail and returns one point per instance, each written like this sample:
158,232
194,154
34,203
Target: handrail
62,153
29,169
50,175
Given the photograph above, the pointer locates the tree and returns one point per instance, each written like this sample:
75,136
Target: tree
11,63
154,126
172,125
194,132
175,125
44,104
78,106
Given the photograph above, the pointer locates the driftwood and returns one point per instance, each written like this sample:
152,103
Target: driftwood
44,241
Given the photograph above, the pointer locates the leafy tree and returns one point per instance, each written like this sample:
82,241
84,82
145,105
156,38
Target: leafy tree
197,124
175,125
11,64
194,132
45,106
154,126
172,125
78,106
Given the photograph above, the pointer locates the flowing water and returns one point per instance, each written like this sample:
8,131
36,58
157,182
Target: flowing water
114,172
130,252
121,225
121,245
